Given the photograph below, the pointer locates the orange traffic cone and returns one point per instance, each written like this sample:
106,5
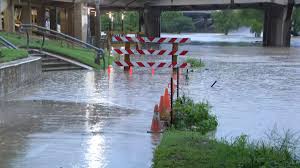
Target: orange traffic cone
167,100
164,113
155,127
161,105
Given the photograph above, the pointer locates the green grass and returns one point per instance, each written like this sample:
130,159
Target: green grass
193,116
195,63
7,55
180,149
83,55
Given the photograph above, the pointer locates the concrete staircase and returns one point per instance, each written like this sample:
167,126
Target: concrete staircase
52,62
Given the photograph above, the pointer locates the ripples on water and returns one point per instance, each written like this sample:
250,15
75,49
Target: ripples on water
92,119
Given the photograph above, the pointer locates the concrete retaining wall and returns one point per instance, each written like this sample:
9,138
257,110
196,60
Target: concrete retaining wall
17,74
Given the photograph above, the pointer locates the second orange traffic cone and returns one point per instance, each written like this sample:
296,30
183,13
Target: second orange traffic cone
167,101
155,126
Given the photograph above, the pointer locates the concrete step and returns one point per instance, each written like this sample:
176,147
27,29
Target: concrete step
62,68
56,64
52,60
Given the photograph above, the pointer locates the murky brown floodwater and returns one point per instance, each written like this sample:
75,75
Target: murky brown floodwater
90,119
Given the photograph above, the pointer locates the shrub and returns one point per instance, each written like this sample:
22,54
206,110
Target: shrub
193,116
195,63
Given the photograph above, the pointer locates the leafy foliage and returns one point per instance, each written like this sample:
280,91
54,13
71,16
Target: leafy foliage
195,63
296,21
131,22
175,22
225,20
194,116
252,18
181,149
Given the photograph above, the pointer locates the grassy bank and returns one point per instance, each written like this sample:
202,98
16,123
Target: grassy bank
182,149
187,144
7,55
83,55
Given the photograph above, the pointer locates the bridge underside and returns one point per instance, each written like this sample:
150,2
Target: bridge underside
73,17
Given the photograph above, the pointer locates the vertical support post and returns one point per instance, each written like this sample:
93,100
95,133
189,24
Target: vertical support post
123,26
98,26
171,101
141,22
127,56
27,35
109,41
53,19
41,18
177,83
43,42
9,17
174,57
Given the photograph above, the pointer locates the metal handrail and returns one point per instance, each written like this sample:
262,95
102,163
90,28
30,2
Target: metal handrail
7,43
44,31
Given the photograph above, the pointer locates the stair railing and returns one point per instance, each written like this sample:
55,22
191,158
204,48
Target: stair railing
7,43
44,31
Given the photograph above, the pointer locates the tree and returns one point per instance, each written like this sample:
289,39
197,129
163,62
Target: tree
225,21
252,18
176,22
296,21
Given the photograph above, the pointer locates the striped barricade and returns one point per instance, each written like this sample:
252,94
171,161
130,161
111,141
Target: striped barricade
150,40
127,52
150,52
151,64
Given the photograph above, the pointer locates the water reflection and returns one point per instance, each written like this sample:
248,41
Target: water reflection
100,119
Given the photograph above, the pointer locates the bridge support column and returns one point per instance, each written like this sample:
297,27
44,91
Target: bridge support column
9,18
53,19
152,22
80,19
277,26
41,16
26,16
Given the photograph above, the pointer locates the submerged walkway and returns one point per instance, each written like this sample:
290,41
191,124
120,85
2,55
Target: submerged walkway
87,119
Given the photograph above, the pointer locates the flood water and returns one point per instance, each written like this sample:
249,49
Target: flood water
100,119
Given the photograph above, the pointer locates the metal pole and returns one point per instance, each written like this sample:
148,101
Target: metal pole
27,35
171,101
123,27
43,42
177,83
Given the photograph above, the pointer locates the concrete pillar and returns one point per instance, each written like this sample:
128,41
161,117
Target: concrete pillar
141,21
277,26
152,21
26,16
9,17
41,16
98,26
80,21
64,26
70,21
53,19
1,22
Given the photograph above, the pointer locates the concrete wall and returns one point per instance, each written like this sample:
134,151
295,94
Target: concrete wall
80,21
17,74
3,5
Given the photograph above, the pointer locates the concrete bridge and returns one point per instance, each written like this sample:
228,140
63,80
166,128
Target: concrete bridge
78,18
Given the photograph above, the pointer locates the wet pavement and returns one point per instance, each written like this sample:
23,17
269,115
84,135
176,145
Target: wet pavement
81,119
92,119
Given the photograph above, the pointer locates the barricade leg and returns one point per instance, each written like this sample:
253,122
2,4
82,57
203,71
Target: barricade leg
127,56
